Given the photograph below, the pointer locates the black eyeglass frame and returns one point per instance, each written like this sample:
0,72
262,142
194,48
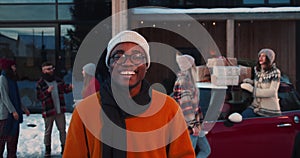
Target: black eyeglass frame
116,59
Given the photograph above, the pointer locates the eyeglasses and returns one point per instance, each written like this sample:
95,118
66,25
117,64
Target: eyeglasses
120,58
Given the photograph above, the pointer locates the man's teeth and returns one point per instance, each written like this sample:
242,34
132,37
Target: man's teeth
127,72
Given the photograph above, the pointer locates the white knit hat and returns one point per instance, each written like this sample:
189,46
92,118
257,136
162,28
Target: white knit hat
127,36
89,68
185,62
269,53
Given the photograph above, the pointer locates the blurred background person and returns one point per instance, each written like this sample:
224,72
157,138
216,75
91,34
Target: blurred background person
186,94
50,91
264,86
90,83
11,109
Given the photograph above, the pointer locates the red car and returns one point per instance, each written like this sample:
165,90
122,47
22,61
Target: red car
259,137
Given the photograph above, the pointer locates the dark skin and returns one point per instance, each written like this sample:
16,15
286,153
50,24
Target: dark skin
128,74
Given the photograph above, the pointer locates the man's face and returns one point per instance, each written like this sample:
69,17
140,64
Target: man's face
14,68
83,73
128,64
48,69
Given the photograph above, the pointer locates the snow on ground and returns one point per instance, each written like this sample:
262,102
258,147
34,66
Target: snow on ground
31,140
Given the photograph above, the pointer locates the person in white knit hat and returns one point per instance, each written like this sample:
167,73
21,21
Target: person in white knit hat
264,86
128,36
90,83
127,118
186,94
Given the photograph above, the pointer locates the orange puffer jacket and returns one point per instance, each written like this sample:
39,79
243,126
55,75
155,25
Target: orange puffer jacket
160,132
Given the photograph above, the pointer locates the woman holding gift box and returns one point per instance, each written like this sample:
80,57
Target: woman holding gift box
264,86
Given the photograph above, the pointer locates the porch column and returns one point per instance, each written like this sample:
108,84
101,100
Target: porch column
119,16
230,38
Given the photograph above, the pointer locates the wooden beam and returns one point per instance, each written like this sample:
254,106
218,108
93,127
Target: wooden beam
230,38
119,16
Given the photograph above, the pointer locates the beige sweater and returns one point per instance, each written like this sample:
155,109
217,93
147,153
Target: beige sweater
266,84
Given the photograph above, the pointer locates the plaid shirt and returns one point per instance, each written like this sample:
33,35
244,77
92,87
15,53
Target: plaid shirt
48,108
187,94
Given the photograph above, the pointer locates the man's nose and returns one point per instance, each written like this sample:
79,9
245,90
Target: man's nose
127,61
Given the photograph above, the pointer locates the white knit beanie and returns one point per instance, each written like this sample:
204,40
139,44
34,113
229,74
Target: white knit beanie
185,62
269,53
89,68
127,36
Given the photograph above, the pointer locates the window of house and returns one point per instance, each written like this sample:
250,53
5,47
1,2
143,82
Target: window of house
27,1
253,1
279,1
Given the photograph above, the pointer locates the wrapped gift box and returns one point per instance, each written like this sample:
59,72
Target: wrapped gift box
245,72
203,74
224,80
226,70
221,62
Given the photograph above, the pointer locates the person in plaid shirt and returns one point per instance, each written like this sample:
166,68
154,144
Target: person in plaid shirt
50,91
186,94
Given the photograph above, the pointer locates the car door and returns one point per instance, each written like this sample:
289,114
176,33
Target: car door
258,137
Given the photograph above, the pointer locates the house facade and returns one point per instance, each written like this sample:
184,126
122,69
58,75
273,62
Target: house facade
32,31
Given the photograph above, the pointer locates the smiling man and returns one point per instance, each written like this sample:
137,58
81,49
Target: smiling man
129,64
127,118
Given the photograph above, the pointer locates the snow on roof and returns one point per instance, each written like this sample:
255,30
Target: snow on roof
216,10
258,13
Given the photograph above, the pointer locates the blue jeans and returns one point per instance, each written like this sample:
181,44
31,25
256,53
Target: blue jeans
249,113
203,144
